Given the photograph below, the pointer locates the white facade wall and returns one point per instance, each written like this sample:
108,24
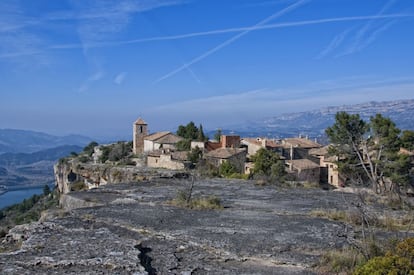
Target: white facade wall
148,146
199,144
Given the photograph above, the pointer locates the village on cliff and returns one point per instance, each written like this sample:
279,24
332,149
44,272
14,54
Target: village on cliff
304,159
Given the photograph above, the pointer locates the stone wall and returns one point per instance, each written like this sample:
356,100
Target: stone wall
164,161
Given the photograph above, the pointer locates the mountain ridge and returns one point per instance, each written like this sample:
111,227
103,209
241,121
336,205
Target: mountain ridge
314,122
27,141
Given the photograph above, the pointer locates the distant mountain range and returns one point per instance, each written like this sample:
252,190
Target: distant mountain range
32,168
22,141
52,154
313,123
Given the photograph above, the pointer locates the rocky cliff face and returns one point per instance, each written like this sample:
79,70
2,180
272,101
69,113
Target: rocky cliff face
71,172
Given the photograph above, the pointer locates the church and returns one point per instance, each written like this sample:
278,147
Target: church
146,143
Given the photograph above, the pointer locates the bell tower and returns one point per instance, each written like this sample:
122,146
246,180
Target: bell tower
140,131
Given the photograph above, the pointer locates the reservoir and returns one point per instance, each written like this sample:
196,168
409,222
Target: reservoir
17,196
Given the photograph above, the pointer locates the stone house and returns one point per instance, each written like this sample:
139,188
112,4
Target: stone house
255,144
235,156
161,140
167,159
226,141
230,141
297,148
304,170
328,168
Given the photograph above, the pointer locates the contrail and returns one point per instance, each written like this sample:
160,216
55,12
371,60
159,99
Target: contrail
360,35
231,40
265,27
214,32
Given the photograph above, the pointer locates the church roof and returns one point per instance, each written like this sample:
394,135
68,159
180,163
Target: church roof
170,138
155,136
164,138
140,121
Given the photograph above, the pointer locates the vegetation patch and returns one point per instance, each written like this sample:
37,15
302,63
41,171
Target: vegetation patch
183,200
78,186
397,258
342,261
403,222
28,211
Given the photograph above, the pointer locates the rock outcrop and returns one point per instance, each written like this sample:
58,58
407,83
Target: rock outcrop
68,172
134,229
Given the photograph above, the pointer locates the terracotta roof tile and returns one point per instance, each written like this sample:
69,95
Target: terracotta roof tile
300,142
169,139
303,164
323,151
225,153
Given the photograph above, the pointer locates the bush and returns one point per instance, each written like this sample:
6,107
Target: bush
390,264
226,169
84,158
210,202
78,186
90,148
399,259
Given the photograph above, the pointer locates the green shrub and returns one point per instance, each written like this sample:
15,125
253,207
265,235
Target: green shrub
84,159
226,169
390,264
78,186
89,149
210,202
398,260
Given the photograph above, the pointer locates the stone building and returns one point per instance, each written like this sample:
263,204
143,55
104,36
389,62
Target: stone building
144,142
235,156
140,131
329,169
161,140
167,159
304,170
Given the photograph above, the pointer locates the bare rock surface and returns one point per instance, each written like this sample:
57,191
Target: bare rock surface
133,229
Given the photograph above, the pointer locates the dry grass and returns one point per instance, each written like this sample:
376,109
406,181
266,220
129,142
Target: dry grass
335,215
386,221
210,202
342,261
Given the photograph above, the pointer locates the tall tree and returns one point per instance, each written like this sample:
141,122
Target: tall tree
190,131
268,163
217,135
201,136
407,140
368,151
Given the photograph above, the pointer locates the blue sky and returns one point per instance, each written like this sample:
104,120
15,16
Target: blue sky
92,66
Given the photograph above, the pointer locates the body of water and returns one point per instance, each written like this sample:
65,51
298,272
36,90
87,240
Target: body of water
17,196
